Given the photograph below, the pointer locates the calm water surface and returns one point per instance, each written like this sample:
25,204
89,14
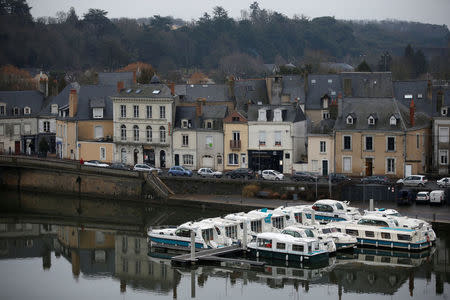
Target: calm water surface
69,248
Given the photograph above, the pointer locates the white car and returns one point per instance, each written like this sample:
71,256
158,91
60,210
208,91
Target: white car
437,197
96,163
413,180
443,182
272,175
146,168
208,172
423,197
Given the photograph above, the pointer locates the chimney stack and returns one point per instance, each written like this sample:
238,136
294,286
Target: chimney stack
120,86
429,90
134,77
412,109
339,104
172,88
73,103
198,108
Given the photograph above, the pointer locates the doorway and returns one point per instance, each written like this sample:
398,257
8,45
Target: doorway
136,152
408,170
17,147
162,159
177,159
324,167
369,166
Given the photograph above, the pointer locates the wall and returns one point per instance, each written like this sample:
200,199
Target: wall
315,115
86,129
191,148
437,166
9,138
315,154
214,151
66,132
228,136
417,155
91,151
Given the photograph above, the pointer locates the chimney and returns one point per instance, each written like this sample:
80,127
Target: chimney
412,109
172,88
198,107
73,103
339,104
429,90
120,86
134,77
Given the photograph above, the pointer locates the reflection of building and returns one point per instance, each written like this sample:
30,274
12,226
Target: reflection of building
89,251
134,267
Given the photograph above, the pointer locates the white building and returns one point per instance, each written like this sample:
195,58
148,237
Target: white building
185,137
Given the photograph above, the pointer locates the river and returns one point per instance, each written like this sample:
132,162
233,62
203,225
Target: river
55,247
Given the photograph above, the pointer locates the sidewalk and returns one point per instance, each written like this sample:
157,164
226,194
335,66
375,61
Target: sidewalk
440,214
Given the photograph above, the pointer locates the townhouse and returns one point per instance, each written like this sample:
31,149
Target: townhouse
185,136
321,147
235,132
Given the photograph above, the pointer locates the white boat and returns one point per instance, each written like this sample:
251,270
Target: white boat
381,231
286,247
305,231
209,233
324,211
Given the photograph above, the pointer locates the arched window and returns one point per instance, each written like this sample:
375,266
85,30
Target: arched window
136,133
149,134
123,133
162,134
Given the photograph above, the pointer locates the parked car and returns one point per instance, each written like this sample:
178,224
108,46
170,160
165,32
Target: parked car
405,196
208,172
179,171
304,176
437,197
146,168
423,197
96,163
336,177
379,179
413,180
119,166
240,173
443,182
272,175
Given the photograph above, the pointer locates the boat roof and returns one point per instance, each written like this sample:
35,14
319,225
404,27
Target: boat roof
330,202
284,237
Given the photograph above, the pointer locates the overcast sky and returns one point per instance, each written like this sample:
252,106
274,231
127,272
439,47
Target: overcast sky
425,11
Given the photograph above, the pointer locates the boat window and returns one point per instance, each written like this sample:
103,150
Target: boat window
370,258
231,232
278,222
265,243
309,233
281,271
298,217
316,246
298,248
381,223
326,230
208,234
404,261
298,272
217,230
403,237
241,225
256,226
309,248
338,229
339,206
352,232
385,235
385,259
370,234
183,232
334,230
322,207
281,246
396,223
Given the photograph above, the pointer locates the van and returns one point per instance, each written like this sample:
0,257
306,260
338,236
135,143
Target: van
437,197
405,196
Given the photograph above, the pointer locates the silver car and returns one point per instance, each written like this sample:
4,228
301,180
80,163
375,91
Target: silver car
423,197
443,182
95,163
413,180
208,172
272,175
146,168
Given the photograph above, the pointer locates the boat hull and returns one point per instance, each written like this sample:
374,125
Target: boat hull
419,246
161,241
315,258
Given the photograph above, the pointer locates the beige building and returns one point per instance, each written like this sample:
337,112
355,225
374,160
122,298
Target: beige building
321,148
235,142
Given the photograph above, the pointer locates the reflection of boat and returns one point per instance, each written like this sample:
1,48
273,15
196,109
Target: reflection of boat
288,248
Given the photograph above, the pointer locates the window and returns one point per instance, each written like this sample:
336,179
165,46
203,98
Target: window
148,131
219,159
209,125
209,141
408,96
287,155
123,133
136,133
370,234
16,111
46,126
419,96
298,248
353,232
393,121
102,153
136,111
2,110
184,123
281,246
97,113
443,157
403,237
315,165
185,140
371,120
349,120
323,147
369,143
54,109
262,138
325,115
390,143
98,132
386,235
417,141
2,131
27,128
27,111
278,222
347,142
162,112
277,116
236,135
390,165
277,138
262,115
123,156
123,111
325,103
235,119
313,81
443,134
188,159
162,134
347,164
233,159
149,112
256,226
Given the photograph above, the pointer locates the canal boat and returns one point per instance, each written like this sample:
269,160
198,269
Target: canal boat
324,211
380,231
209,233
305,231
280,246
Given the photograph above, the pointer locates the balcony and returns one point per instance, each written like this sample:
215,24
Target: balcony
235,144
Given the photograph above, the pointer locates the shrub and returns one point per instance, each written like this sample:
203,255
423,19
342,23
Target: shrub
250,190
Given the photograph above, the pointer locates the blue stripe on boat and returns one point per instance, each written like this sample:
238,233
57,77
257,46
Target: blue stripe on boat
174,242
400,229
325,218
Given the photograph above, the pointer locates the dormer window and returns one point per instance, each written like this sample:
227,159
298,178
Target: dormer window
262,115
2,110
209,124
16,111
184,123
419,96
393,121
277,116
97,113
444,111
54,109
371,120
330,80
313,81
235,119
325,102
27,111
349,120
408,96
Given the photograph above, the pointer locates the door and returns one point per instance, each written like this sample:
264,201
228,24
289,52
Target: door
17,147
136,152
177,159
408,170
123,156
324,167
207,161
162,159
369,165
243,160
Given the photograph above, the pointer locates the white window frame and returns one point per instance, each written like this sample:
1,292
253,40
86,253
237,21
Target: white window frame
365,143
343,164
54,109
162,134
349,120
387,165
123,132
323,146
188,159
162,112
393,121
97,113
46,126
343,142
277,115
185,140
262,115
95,132
262,138
136,133
149,134
443,154
27,128
27,110
443,134
233,159
123,111
211,144
314,165
387,144
102,153
277,135
136,111
2,110
371,120
149,110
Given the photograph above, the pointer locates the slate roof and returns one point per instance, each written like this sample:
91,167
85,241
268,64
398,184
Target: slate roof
362,108
211,92
112,78
293,114
369,84
323,127
188,113
214,111
22,99
145,91
62,99
413,88
294,86
338,67
250,90
320,88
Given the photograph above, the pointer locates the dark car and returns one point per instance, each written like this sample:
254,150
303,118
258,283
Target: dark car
119,166
375,179
335,177
240,173
405,196
304,176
